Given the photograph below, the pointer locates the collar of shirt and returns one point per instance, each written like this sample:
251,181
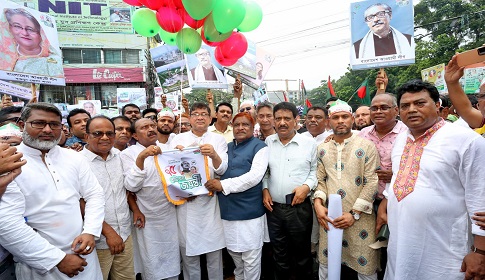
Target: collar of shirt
92,156
296,139
213,128
400,126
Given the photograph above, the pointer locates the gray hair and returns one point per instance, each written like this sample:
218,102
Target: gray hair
384,5
41,106
9,13
391,96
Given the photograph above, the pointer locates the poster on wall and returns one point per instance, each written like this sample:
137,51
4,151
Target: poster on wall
106,16
382,33
29,49
203,69
93,107
131,95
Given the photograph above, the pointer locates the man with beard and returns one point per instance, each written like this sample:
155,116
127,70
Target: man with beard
165,127
41,222
221,126
346,166
131,111
290,178
77,120
362,117
115,246
199,220
157,244
123,132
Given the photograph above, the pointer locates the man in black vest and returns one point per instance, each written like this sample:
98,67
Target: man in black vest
240,198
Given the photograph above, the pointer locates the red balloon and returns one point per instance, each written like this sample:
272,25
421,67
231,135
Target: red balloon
235,46
170,19
152,4
221,59
195,24
178,4
133,2
209,43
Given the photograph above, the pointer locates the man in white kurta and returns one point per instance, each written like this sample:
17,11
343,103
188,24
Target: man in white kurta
156,245
436,187
40,215
199,220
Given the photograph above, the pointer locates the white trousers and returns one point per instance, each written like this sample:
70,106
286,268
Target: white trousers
323,274
248,264
191,265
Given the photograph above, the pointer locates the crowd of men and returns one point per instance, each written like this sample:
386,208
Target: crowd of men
87,201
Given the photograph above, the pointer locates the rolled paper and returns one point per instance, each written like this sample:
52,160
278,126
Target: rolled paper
335,236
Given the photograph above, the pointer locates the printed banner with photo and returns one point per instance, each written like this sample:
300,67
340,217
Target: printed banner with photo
203,69
171,102
264,60
382,33
29,48
21,90
170,64
106,16
436,76
474,77
131,95
183,173
93,107
246,65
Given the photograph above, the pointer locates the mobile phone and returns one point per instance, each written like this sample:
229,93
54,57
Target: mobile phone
289,198
470,57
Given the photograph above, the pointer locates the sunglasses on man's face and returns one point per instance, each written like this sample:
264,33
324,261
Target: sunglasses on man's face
245,109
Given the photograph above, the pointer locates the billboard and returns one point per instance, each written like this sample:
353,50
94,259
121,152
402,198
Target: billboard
100,16
131,95
29,49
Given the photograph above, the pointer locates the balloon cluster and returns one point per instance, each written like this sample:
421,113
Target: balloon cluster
211,21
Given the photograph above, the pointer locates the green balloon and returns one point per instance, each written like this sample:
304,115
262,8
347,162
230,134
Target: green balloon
210,32
254,16
228,14
167,37
198,9
188,41
145,23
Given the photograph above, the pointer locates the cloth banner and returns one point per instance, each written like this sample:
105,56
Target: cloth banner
183,174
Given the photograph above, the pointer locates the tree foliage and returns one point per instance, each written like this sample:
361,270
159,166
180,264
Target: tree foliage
442,27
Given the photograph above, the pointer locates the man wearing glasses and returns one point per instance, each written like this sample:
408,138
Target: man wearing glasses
199,220
40,223
382,39
115,246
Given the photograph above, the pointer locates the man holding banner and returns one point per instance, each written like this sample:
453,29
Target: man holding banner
156,246
199,220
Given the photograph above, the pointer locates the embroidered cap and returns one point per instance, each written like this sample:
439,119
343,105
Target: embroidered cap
166,112
339,106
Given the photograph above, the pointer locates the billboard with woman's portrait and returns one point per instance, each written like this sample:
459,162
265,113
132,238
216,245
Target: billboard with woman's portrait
29,49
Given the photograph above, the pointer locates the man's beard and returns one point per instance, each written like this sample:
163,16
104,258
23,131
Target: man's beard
39,144
164,132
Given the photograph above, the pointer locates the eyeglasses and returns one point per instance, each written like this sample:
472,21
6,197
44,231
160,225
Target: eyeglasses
14,119
99,134
153,118
42,124
19,28
199,114
186,124
245,109
383,108
381,14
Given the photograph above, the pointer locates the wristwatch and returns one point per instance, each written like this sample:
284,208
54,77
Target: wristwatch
355,215
478,251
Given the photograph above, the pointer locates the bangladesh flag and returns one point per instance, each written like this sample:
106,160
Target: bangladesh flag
363,94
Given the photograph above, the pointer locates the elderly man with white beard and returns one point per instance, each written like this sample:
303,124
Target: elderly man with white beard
40,218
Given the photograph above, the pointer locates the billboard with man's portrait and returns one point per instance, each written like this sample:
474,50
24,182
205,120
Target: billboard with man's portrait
203,70
29,49
382,33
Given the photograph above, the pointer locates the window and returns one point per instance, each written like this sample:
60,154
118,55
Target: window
121,56
81,56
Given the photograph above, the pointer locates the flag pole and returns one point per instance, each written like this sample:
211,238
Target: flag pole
355,91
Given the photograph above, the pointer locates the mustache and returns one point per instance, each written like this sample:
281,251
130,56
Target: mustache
377,23
151,133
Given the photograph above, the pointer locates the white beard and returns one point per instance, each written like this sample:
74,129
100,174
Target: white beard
38,144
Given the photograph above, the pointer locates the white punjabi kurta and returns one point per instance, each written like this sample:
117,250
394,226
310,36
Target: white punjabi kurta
199,221
430,228
40,215
157,244
246,235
